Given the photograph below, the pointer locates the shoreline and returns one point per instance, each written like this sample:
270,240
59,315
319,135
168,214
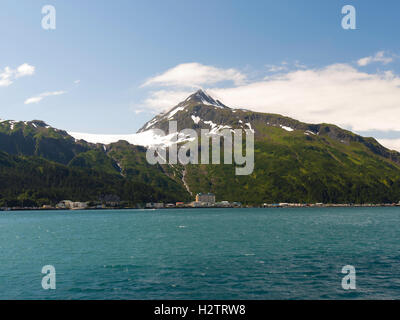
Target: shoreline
212,207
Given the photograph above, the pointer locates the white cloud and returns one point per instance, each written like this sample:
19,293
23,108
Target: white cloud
8,75
378,57
276,68
38,98
339,94
393,144
33,100
77,81
166,99
299,65
195,75
25,70
284,67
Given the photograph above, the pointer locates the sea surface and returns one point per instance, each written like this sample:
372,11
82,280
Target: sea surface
293,253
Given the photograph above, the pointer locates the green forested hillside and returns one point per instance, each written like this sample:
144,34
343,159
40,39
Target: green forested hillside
36,138
293,167
294,162
42,165
34,181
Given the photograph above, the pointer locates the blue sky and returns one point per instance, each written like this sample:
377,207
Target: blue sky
114,47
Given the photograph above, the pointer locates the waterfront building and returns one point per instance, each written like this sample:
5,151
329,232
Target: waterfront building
205,197
153,205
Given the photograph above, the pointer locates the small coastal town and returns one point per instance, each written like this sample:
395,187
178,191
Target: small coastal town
202,200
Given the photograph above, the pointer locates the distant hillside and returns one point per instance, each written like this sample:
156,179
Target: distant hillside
41,165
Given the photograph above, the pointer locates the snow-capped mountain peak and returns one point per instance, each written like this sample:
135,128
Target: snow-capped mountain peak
203,97
13,124
198,99
198,109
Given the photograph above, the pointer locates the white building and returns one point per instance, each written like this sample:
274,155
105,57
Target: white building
68,204
205,197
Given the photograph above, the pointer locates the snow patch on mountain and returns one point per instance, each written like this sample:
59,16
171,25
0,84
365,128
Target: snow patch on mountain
172,113
308,132
146,138
287,128
212,124
150,123
12,123
206,99
196,119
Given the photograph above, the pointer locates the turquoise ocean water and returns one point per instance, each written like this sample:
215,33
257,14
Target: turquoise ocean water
201,253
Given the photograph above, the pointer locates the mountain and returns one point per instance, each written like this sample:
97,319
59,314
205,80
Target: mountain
34,181
36,138
40,164
186,110
200,111
294,162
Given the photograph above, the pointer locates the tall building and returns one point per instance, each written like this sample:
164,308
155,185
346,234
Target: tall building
205,197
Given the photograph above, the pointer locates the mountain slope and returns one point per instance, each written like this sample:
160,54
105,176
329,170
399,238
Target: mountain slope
34,181
193,113
36,138
34,144
134,166
292,168
294,161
